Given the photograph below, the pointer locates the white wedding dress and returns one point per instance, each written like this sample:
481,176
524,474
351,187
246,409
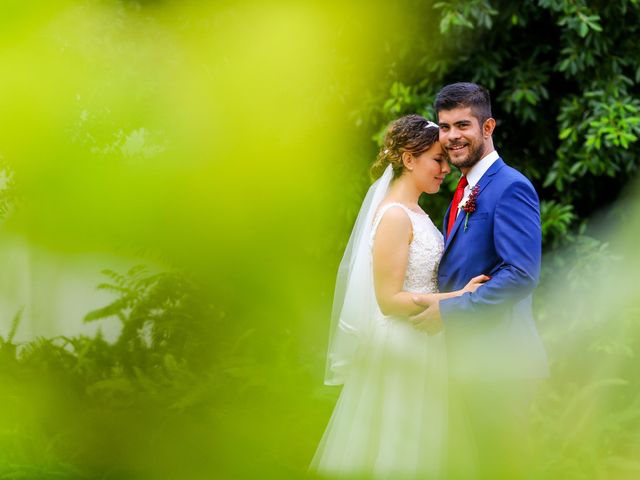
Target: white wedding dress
390,421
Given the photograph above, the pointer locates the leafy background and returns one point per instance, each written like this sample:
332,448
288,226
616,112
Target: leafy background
221,152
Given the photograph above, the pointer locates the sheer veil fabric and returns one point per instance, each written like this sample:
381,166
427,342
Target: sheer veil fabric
354,299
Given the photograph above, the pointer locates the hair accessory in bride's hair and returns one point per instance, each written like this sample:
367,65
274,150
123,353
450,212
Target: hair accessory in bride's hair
386,150
431,124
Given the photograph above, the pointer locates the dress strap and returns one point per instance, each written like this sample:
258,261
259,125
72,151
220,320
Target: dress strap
384,209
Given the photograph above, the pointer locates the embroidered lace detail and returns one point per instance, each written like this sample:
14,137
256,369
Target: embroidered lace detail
425,250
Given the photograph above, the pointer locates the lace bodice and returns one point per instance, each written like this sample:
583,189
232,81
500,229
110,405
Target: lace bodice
425,250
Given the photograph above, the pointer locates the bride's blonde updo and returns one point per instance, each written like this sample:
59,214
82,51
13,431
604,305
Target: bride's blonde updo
411,133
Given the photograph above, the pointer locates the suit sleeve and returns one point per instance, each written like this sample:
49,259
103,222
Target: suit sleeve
518,243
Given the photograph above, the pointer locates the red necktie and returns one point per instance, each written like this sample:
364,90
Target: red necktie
455,202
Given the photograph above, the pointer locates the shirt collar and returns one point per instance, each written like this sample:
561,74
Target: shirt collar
479,169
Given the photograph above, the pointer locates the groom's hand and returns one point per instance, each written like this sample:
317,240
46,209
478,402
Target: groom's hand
429,320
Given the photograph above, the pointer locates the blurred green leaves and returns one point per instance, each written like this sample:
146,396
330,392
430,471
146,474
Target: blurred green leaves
210,138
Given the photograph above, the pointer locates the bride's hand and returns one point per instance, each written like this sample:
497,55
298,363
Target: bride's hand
475,282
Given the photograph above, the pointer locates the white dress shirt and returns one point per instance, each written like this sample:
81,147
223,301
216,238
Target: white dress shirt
475,174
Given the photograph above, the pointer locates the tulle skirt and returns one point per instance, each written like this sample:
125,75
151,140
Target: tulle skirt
391,418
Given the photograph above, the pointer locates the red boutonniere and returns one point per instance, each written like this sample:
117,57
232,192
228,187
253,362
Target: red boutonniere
470,205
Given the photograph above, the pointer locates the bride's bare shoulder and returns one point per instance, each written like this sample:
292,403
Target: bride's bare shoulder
393,224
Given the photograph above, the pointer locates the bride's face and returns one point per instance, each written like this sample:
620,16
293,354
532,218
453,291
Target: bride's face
430,169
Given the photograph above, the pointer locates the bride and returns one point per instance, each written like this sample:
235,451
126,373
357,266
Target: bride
391,418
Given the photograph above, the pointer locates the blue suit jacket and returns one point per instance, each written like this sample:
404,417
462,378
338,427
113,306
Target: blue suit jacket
491,333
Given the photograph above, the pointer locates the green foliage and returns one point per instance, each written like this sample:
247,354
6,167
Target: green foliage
564,78
161,366
587,417
8,189
556,219
598,133
465,14
178,395
155,310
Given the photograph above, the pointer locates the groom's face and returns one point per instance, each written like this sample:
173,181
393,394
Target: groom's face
461,136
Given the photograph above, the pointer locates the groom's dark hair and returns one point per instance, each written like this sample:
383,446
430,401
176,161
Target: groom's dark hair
463,95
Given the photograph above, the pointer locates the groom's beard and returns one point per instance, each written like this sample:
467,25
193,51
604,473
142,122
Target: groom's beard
476,152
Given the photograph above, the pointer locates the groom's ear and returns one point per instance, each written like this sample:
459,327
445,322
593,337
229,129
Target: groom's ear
488,126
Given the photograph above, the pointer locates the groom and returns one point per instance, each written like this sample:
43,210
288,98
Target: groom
492,227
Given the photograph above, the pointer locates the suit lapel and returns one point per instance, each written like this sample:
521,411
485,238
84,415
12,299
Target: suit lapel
459,220
445,221
482,183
